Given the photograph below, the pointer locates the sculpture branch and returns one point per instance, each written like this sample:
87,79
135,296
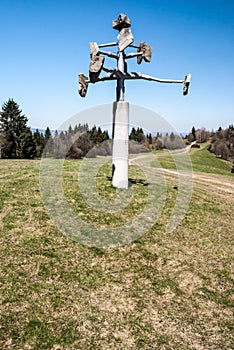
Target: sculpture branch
108,45
109,54
132,55
137,75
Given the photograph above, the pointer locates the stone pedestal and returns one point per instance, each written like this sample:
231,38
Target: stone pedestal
120,144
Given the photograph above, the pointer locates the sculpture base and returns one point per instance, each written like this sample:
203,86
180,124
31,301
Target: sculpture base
120,144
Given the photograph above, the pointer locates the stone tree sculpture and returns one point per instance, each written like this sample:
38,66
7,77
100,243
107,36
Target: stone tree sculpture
120,74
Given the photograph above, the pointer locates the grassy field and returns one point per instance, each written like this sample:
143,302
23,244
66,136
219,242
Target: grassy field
162,291
202,161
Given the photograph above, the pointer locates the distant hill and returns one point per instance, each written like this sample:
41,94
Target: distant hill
42,131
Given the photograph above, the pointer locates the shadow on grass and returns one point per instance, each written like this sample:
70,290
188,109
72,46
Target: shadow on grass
133,181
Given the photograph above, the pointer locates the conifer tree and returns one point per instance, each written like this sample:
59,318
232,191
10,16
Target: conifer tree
14,132
48,135
28,146
193,133
132,135
137,135
48,142
39,142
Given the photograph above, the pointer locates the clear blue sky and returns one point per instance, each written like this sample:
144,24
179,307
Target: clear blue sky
44,45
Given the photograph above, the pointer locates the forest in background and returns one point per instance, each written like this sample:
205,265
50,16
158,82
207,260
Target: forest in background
18,141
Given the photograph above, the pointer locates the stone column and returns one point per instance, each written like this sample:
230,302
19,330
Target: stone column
120,144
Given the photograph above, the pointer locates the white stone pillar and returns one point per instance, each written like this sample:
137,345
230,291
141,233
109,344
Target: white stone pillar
120,144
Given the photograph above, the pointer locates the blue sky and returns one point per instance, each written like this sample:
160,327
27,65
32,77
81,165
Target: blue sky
44,45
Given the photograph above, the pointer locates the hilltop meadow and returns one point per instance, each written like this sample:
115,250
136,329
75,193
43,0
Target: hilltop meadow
165,290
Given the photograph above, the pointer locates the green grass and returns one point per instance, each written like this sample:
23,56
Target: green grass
162,291
165,159
107,192
202,161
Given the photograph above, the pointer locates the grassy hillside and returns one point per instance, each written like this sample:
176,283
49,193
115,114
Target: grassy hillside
202,161
163,291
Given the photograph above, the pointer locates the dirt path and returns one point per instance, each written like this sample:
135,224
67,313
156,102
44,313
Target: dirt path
218,185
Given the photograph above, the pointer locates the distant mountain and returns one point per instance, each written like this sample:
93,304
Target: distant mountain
43,131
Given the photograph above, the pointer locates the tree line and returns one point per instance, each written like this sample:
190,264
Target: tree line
18,141
222,143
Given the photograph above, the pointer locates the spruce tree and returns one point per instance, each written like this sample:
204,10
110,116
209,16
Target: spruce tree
48,135
137,135
132,135
194,133
28,146
94,136
14,132
48,143
39,142
149,137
